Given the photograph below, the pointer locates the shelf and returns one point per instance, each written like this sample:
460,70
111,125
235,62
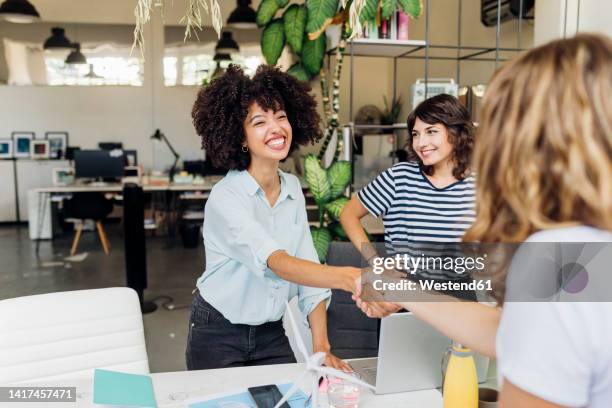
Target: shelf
393,126
375,47
415,49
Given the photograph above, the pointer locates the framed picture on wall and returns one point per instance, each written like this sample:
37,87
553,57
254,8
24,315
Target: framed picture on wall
6,148
21,144
63,176
58,143
39,149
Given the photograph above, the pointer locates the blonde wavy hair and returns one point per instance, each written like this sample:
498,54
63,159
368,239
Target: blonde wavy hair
543,154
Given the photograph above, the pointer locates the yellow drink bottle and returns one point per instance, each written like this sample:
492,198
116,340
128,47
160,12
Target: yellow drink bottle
460,388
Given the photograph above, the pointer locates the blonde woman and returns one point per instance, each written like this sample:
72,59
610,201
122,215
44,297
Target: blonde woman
543,158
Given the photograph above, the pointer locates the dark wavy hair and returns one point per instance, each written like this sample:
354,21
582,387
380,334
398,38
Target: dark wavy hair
446,110
221,108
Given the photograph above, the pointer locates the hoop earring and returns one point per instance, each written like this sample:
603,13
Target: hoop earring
245,149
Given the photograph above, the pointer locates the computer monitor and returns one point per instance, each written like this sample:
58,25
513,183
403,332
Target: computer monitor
98,164
195,167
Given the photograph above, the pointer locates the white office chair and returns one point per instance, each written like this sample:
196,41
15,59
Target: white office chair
66,335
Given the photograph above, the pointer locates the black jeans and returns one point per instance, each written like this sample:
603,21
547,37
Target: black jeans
215,342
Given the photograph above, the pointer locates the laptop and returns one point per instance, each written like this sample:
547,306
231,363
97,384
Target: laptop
410,354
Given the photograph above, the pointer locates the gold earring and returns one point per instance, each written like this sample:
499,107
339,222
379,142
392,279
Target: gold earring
245,149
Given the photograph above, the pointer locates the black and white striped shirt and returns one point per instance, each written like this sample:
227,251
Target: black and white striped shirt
414,211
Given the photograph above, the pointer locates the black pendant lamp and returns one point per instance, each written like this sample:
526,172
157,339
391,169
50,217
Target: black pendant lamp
243,17
226,44
222,57
76,56
18,11
58,40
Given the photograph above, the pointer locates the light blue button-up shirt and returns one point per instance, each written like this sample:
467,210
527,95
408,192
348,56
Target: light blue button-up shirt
241,231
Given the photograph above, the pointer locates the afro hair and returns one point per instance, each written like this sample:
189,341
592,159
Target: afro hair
221,108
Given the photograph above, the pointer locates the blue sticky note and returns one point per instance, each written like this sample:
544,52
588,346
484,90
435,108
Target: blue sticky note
116,388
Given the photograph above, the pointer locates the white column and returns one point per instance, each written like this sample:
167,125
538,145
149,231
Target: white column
564,18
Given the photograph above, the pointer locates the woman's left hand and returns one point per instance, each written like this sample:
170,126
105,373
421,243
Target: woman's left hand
333,361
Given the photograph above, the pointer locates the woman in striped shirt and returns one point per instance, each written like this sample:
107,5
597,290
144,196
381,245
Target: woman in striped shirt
428,201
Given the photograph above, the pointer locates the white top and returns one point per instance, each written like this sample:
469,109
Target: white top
559,351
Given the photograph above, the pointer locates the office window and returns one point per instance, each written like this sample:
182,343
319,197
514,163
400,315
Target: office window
107,64
193,65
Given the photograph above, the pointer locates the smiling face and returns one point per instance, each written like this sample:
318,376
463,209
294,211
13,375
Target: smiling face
268,134
430,142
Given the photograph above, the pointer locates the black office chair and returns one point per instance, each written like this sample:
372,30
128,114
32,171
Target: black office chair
89,206
351,333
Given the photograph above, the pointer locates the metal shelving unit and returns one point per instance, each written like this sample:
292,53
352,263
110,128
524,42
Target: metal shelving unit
424,50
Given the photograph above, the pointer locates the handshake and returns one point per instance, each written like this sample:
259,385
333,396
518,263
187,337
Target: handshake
371,301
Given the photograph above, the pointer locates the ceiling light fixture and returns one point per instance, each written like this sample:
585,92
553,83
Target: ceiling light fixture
58,40
18,11
76,56
243,17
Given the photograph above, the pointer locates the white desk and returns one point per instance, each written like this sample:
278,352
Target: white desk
39,200
172,389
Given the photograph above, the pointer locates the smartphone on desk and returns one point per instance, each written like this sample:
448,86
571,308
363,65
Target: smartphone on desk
267,396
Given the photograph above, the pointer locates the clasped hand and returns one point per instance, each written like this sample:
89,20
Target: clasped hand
376,306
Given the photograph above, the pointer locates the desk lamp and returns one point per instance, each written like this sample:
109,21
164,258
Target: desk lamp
158,135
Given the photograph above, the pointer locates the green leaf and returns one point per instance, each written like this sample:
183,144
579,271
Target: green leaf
368,12
337,231
298,71
388,8
282,3
335,207
273,41
313,53
319,11
414,8
294,21
321,237
339,175
266,11
316,177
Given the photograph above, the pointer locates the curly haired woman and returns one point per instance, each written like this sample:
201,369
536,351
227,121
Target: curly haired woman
259,251
544,163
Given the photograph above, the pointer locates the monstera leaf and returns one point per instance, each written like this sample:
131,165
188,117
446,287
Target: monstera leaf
368,12
339,176
316,177
313,52
335,207
414,8
273,41
321,237
388,8
320,13
266,11
294,21
282,3
298,71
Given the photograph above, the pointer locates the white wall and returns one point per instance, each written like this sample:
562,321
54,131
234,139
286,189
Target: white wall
563,18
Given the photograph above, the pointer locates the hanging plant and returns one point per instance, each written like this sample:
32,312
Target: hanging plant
192,18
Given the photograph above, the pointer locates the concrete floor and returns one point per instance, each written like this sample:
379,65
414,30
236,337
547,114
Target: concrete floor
172,271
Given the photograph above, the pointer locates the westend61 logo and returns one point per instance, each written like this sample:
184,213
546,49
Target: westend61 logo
412,264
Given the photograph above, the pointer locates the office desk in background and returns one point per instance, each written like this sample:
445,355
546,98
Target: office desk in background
172,390
39,200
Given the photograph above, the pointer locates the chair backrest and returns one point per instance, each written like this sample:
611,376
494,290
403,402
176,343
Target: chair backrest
66,335
351,333
88,205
